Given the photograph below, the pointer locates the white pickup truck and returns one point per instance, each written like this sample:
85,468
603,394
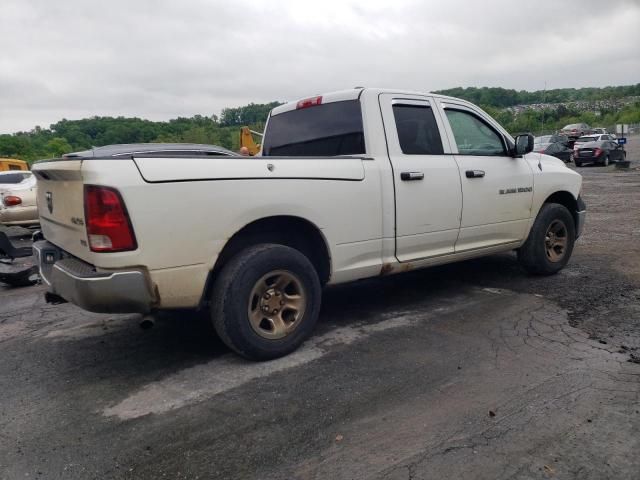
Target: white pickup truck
349,185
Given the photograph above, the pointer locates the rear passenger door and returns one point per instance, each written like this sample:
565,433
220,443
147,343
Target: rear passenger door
497,188
428,197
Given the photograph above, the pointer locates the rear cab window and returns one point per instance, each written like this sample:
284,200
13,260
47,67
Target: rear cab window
328,129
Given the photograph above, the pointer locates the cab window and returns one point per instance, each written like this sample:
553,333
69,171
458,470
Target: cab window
329,129
474,136
418,132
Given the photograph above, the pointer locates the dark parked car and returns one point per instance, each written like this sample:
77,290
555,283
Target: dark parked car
555,145
153,149
594,137
602,152
576,130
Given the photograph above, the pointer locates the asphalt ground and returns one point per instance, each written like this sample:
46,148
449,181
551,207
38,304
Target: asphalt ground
472,370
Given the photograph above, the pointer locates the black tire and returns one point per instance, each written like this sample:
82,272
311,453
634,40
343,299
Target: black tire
235,286
605,162
577,162
533,255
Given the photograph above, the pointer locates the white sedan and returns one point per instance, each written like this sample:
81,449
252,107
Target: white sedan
18,198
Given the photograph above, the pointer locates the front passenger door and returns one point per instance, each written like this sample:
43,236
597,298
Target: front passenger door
497,189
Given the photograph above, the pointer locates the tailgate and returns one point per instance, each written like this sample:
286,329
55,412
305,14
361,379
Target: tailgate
60,197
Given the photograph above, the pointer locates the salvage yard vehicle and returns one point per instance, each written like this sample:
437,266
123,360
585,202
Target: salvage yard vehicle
554,145
603,131
601,152
12,164
18,198
595,137
349,185
576,130
128,150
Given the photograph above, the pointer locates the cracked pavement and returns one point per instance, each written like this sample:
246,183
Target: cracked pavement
472,370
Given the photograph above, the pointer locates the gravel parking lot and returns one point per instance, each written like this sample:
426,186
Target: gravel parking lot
473,370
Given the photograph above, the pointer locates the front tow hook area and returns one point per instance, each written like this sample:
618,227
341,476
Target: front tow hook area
54,299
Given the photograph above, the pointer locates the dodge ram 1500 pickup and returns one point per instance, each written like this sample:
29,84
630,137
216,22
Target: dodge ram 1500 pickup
349,185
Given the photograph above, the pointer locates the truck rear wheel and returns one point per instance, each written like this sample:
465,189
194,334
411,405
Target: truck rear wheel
266,301
550,242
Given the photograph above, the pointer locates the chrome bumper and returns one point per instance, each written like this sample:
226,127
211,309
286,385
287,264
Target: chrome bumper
95,290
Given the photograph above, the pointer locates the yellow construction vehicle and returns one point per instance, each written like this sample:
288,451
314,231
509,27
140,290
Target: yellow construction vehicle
246,140
13,164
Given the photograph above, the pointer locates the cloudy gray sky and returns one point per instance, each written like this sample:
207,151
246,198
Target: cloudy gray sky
165,58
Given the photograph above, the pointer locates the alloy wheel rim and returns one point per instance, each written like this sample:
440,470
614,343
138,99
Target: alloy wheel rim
277,304
555,241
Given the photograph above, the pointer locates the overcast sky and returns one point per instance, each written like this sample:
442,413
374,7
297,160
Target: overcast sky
167,58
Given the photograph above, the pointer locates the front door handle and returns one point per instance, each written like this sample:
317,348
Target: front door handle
408,176
474,173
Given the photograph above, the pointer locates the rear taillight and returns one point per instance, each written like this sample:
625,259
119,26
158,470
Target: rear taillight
597,152
11,201
309,102
108,226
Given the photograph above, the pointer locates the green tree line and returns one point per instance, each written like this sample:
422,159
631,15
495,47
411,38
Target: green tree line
74,135
502,97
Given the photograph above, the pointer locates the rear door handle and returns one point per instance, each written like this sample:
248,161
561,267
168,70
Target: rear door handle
474,173
409,176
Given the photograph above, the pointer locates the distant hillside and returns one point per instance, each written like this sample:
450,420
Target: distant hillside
73,135
502,97
595,106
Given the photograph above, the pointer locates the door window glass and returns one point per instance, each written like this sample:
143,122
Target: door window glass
473,136
417,130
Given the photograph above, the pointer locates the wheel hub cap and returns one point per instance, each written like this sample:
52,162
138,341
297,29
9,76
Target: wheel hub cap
277,304
555,241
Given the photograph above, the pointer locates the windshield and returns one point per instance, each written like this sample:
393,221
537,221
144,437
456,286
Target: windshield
324,130
586,139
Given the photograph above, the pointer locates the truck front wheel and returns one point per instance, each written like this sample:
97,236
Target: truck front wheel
550,242
266,301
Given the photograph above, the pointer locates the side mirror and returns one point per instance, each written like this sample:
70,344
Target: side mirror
524,144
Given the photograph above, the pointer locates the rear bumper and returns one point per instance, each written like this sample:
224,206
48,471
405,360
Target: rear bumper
19,215
95,290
